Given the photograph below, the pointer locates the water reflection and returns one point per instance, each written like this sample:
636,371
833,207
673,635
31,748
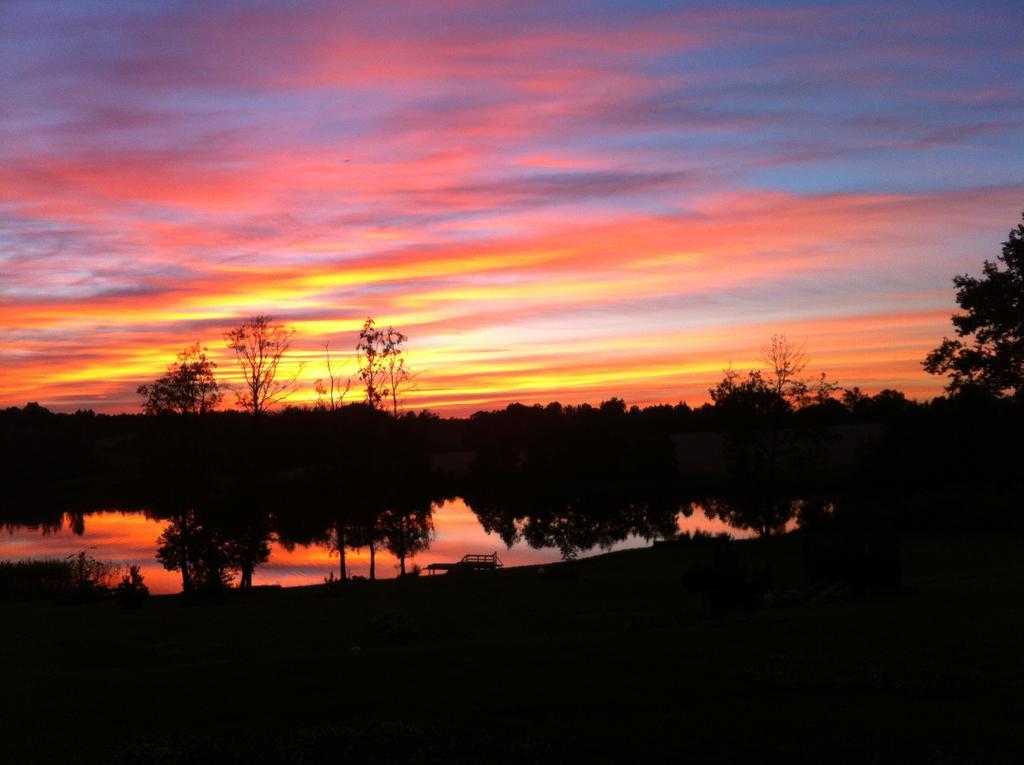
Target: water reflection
298,497
131,538
127,538
359,494
576,523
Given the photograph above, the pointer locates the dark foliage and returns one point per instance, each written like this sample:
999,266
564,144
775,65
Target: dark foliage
132,591
77,577
34,579
189,387
989,350
573,477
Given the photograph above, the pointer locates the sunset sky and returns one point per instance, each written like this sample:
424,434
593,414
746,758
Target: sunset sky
554,200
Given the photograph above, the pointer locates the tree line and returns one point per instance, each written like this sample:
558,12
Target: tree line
569,477
364,475
987,355
259,344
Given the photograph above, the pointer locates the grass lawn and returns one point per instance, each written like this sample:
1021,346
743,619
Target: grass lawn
605,659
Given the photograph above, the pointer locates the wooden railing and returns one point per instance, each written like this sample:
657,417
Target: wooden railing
474,562
484,561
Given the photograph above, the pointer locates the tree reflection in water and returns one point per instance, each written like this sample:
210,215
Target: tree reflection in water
577,487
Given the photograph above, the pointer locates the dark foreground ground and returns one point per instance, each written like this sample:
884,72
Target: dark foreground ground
609,659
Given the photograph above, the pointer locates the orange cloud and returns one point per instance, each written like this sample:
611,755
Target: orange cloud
550,203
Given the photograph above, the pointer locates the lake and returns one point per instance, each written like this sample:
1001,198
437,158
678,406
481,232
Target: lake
129,538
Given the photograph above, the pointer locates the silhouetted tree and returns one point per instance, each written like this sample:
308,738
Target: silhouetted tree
750,399
752,509
190,546
382,369
188,387
767,452
991,352
572,477
370,359
398,375
209,548
308,508
785,361
338,539
366,530
244,528
853,399
752,411
330,393
259,345
407,528
132,590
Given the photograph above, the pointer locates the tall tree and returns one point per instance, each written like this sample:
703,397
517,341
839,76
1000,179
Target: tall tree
259,346
766,452
365,527
370,359
752,411
382,369
209,548
989,349
188,387
398,375
407,528
190,545
337,541
785,362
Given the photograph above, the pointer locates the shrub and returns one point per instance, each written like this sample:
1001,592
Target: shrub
31,579
132,591
90,576
78,576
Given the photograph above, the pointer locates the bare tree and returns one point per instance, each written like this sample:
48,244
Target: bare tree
398,376
766,451
259,345
188,387
330,394
785,362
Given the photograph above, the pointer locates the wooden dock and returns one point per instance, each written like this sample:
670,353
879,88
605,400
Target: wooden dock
468,563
